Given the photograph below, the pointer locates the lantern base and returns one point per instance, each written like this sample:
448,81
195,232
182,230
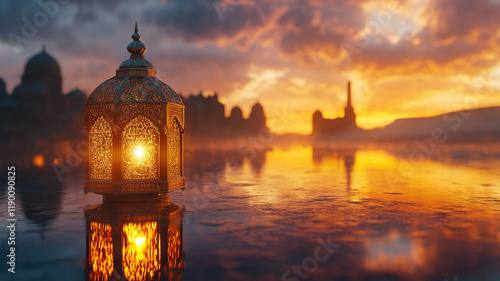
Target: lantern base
134,189
127,198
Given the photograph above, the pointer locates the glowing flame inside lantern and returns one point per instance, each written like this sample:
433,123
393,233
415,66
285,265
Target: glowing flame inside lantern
139,152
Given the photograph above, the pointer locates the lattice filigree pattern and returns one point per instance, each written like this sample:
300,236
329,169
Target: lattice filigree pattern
99,186
168,92
106,91
139,89
121,72
174,150
95,111
141,250
140,153
141,187
101,150
176,110
152,111
100,251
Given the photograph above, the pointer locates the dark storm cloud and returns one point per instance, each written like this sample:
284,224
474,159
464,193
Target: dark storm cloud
298,28
208,19
16,14
462,18
22,22
306,30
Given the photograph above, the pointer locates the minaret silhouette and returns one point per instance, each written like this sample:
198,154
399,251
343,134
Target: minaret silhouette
349,114
349,104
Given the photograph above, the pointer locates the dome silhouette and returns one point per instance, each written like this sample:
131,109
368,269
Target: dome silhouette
236,113
43,69
257,114
3,90
317,114
76,98
257,118
76,93
257,107
42,63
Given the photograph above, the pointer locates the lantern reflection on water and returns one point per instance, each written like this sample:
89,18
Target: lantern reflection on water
135,241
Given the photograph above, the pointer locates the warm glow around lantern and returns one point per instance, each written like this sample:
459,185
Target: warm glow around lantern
140,150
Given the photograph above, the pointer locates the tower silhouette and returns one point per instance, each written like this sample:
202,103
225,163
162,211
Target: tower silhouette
323,126
349,114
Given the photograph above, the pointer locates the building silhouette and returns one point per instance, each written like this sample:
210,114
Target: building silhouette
38,118
205,117
323,126
3,91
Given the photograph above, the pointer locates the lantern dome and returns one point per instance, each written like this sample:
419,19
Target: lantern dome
135,81
134,88
135,126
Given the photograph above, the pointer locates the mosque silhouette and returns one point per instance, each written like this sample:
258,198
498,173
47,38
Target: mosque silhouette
38,119
39,100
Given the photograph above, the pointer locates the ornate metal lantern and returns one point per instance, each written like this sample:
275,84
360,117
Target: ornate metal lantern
135,130
134,242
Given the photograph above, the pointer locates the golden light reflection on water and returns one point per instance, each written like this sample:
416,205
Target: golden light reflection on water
100,251
414,221
137,247
174,251
141,250
370,174
394,253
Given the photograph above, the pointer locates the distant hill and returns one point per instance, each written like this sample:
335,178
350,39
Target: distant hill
482,124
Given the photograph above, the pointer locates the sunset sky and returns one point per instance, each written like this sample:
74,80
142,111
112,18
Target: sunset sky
404,58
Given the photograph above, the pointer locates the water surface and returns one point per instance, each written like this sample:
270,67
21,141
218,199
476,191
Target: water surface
262,216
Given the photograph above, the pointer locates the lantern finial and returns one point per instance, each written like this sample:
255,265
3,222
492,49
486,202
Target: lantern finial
136,35
136,61
136,46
